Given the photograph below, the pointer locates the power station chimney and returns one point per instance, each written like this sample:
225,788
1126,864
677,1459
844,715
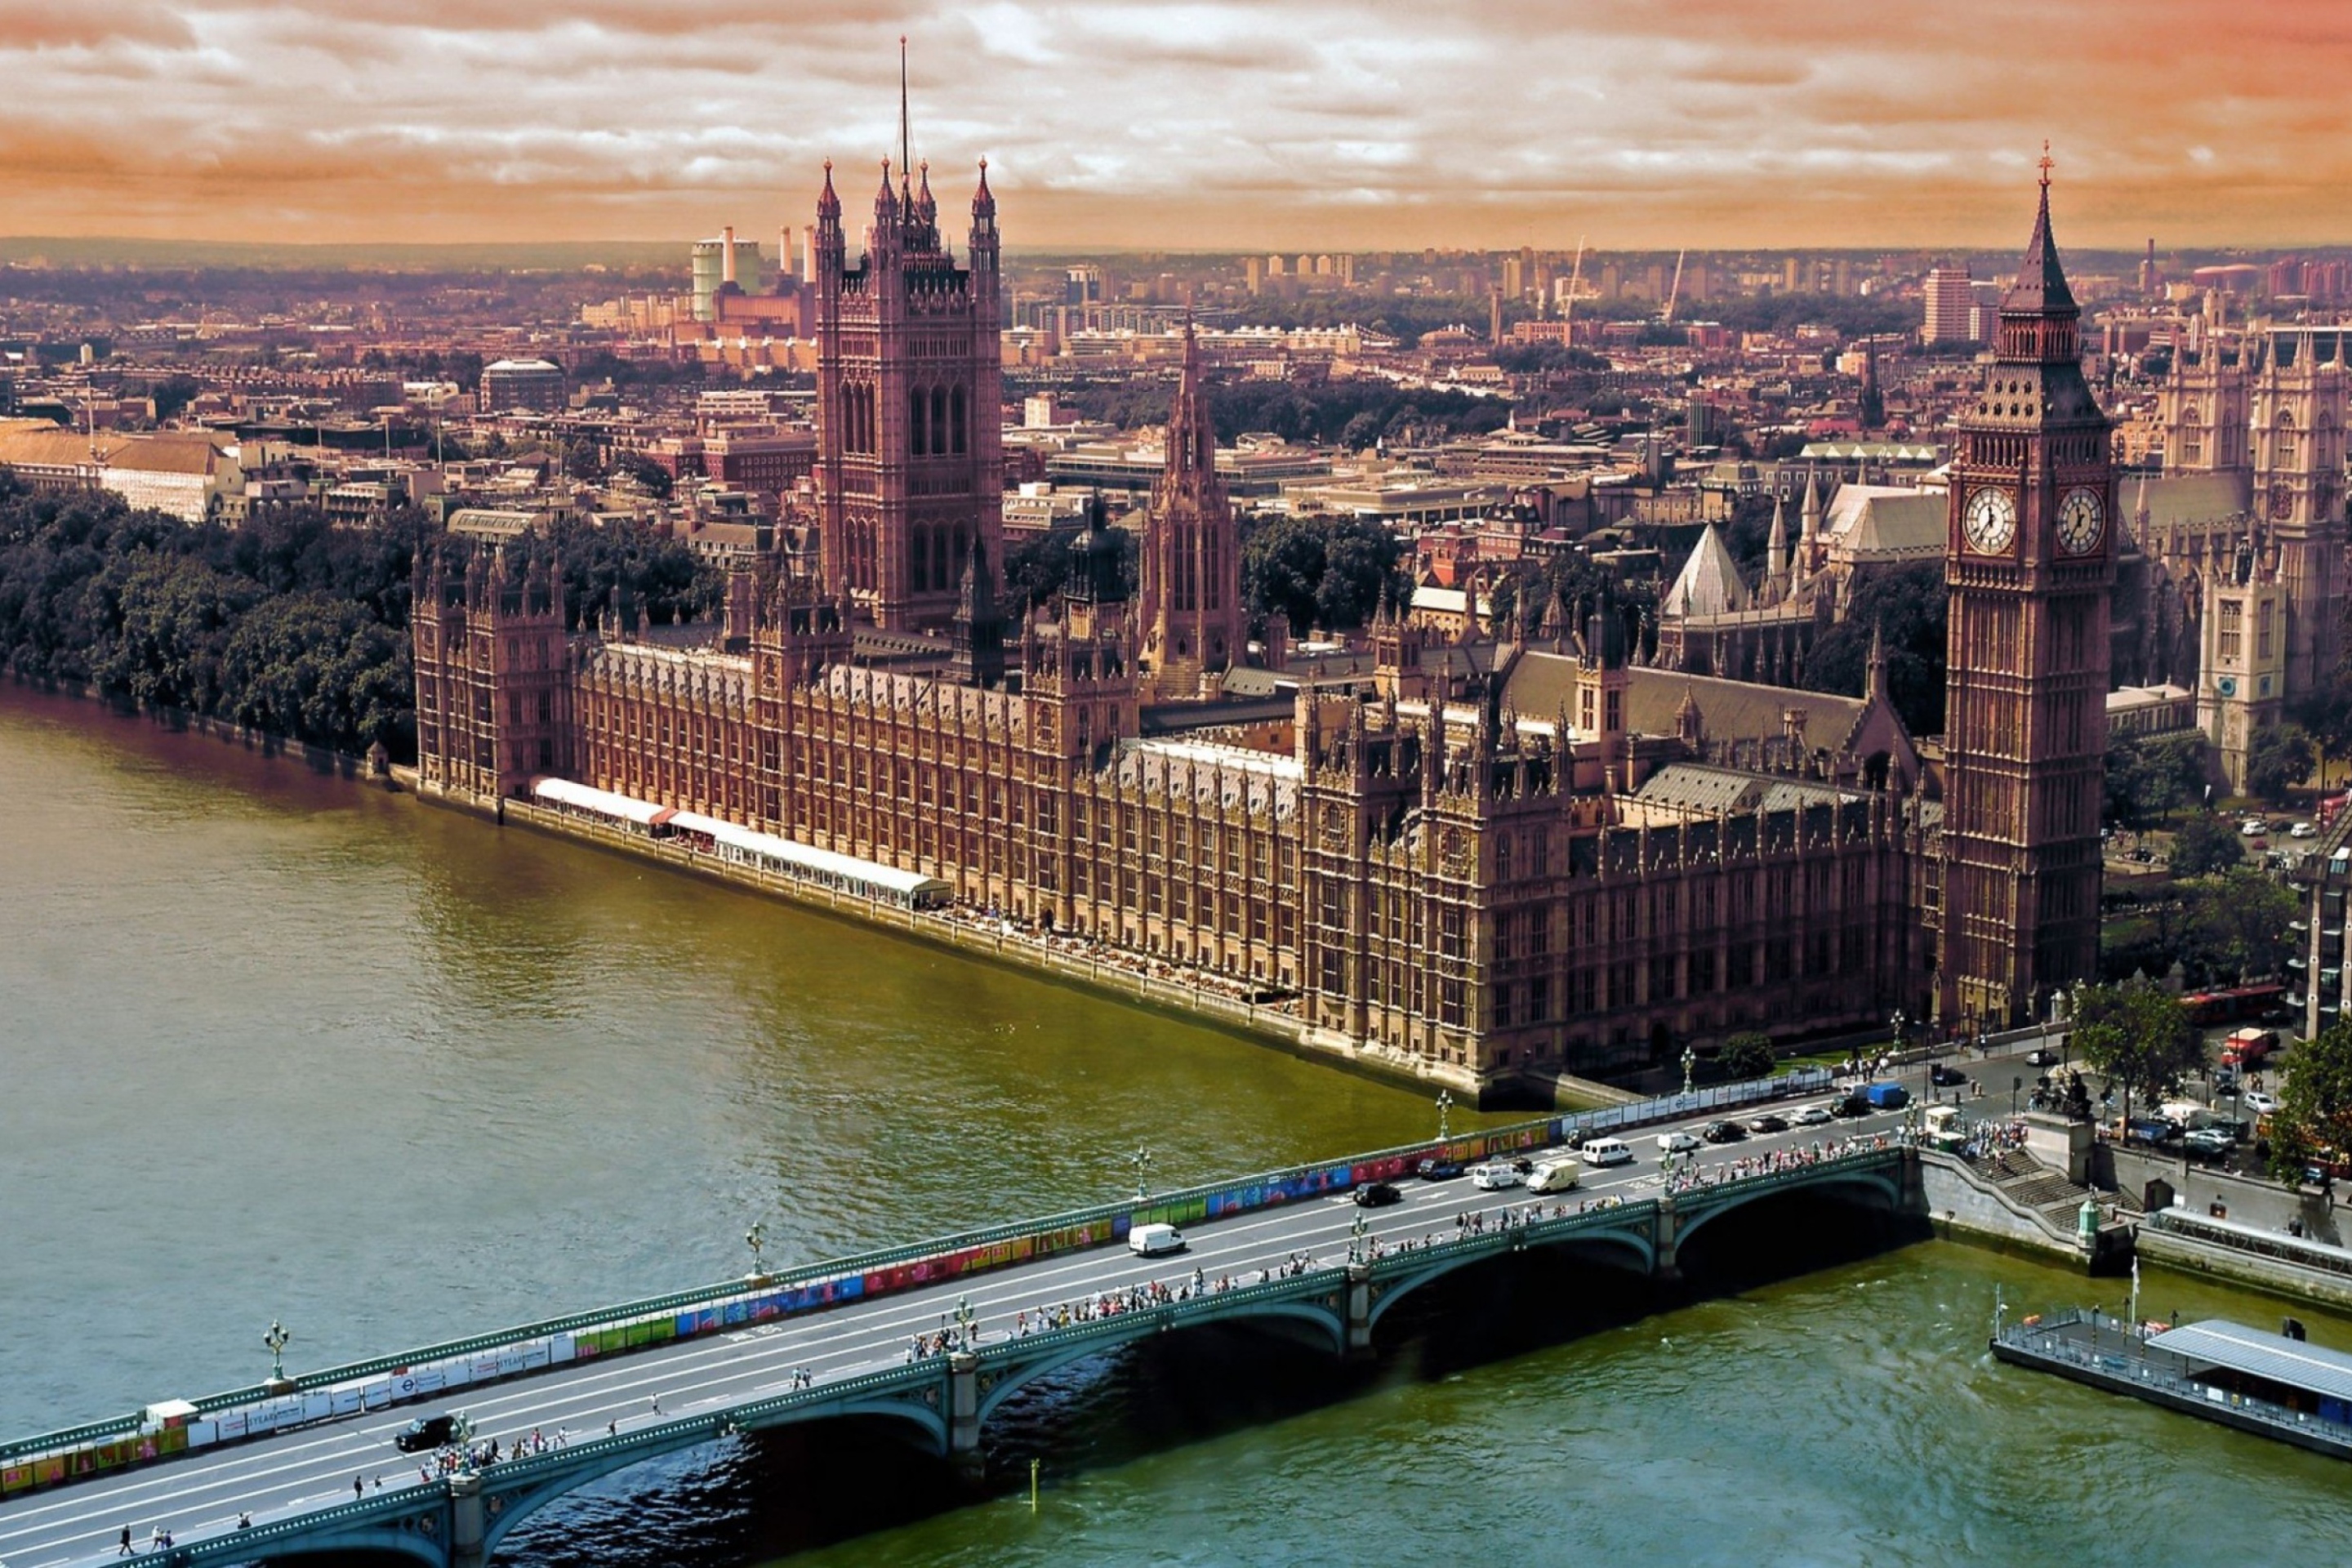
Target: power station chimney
787,269
726,254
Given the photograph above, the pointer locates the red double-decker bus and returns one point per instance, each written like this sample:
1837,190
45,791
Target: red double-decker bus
2237,1006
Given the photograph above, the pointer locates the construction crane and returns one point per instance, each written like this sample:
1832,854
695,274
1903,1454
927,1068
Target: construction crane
1575,277
1675,293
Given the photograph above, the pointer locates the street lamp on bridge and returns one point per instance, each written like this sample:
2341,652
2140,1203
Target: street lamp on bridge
967,1322
1142,1161
756,1238
1690,1065
275,1342
1444,1109
1358,1251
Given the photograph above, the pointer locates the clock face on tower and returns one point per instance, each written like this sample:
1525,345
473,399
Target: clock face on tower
1991,521
2082,517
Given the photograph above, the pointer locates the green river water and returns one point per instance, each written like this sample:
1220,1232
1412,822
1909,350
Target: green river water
277,1045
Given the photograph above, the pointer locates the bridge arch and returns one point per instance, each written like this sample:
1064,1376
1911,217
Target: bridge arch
504,1508
1019,1373
1634,1243
1880,1183
387,1541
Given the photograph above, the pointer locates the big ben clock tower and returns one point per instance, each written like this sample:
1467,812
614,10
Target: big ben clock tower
2029,559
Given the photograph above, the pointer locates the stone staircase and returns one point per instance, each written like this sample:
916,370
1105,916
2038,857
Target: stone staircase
2030,1184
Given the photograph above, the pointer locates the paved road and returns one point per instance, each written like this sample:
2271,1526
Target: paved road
314,1467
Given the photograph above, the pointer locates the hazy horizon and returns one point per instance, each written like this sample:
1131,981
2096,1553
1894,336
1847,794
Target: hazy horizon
1219,125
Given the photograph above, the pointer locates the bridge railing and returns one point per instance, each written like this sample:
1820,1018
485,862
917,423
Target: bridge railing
233,1545
49,1458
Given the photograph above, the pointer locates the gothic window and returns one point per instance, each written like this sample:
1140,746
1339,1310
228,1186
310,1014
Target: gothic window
956,421
938,421
2263,629
2233,630
2287,451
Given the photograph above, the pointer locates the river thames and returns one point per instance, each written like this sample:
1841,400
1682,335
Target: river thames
280,1046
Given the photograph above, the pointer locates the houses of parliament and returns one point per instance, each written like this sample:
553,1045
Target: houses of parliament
1477,862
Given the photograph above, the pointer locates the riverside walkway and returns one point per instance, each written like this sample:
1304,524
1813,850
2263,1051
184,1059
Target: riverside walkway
937,1335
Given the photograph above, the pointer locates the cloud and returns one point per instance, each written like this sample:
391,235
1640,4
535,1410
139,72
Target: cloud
1237,123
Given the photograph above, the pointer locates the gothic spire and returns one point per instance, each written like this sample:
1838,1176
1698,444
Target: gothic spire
2041,288
828,204
1191,434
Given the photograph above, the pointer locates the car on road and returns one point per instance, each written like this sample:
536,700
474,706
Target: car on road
1678,1141
1605,1151
1768,1122
1946,1075
2261,1103
426,1433
1376,1195
2252,827
1852,1106
2142,857
2302,830
1495,1176
2207,1144
2225,1079
1813,1116
1438,1168
2041,1056
1723,1133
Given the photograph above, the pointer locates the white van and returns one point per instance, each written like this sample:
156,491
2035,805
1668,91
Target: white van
1494,1176
1678,1142
1152,1240
1553,1176
1605,1151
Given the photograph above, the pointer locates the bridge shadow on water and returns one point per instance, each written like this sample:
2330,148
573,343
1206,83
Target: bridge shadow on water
800,1488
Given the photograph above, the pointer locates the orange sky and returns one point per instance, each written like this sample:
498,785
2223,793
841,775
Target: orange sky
1219,124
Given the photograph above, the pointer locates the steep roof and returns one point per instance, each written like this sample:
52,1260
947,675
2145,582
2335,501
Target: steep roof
1710,583
2189,497
2041,288
1882,522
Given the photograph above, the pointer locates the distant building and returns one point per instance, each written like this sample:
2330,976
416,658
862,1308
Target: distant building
536,384
1951,303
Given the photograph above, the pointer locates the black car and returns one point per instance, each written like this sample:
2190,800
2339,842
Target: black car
424,1432
1852,1106
1723,1133
1438,1170
2041,1056
1946,1076
1768,1122
1377,1195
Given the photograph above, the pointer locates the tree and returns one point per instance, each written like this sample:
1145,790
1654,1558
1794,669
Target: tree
1322,572
2151,777
2280,760
2326,715
1748,1055
656,480
2313,1119
1906,608
2205,845
2237,926
172,393
2137,1034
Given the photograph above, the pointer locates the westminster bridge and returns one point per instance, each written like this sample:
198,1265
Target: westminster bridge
935,1337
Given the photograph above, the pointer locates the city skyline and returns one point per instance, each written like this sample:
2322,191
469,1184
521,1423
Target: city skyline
1210,126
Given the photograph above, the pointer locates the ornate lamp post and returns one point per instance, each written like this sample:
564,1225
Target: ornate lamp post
756,1238
1690,1065
1142,1161
1356,1234
1444,1109
967,1322
275,1342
